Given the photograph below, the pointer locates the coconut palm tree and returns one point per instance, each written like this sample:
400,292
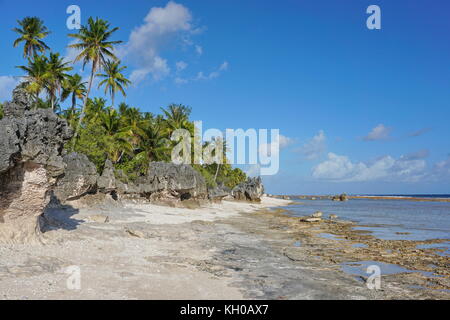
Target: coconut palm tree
75,87
177,117
57,70
31,31
95,47
113,79
37,76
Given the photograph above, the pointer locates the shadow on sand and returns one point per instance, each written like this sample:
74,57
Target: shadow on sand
59,216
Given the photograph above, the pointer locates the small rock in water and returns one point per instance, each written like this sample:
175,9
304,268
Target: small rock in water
317,214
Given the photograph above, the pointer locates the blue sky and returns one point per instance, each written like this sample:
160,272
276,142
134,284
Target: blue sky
361,111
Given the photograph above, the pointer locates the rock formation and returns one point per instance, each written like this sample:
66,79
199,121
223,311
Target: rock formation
172,181
218,193
31,145
80,178
250,190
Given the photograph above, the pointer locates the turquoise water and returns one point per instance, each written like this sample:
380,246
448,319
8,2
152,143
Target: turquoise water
387,219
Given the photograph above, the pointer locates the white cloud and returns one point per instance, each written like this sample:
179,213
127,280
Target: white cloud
315,147
341,168
199,50
201,76
380,132
71,53
181,65
179,80
161,25
7,85
224,66
273,148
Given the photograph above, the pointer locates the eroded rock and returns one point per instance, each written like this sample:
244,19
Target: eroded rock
31,145
250,190
80,178
168,180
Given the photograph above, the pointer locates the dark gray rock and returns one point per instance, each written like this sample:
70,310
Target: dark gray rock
218,193
80,178
168,180
31,147
107,181
250,190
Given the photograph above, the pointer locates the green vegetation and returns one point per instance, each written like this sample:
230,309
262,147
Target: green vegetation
129,138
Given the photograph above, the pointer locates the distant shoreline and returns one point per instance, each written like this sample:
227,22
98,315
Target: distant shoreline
393,197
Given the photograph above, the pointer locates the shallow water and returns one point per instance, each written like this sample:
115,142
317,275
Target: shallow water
360,268
387,219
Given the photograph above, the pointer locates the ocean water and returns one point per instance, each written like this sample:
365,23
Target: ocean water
387,219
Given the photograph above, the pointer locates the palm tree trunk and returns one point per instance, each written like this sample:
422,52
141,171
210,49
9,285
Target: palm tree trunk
217,172
74,103
91,78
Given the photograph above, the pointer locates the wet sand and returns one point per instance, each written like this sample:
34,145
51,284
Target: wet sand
231,250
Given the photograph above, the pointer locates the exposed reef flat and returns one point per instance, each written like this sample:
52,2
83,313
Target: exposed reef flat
228,250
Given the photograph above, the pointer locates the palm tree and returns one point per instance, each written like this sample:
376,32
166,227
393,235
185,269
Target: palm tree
95,49
37,75
57,69
74,86
177,117
113,80
117,137
153,146
32,32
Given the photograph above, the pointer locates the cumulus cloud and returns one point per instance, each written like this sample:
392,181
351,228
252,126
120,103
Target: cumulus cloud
273,148
315,147
380,132
7,85
386,168
161,25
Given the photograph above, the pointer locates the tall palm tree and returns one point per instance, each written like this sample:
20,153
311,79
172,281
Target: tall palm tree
113,79
57,70
37,76
93,41
31,31
75,87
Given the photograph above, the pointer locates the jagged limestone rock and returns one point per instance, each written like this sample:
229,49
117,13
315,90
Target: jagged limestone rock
31,146
250,190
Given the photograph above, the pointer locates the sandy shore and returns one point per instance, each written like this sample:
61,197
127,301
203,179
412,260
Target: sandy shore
231,250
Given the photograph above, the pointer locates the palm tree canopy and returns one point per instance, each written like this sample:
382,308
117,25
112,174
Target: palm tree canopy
38,74
31,31
74,86
94,43
113,79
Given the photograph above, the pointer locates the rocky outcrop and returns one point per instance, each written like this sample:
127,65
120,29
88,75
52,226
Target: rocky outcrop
250,190
107,181
218,193
341,197
172,181
31,145
79,179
